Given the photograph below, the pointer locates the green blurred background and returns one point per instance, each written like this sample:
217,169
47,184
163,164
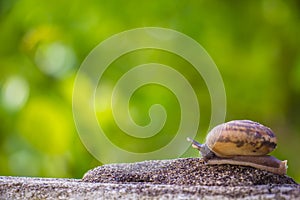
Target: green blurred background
255,44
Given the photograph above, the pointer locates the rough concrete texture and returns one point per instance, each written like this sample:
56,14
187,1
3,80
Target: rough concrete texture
41,188
185,171
167,179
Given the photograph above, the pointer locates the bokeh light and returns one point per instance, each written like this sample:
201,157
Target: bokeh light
55,59
15,93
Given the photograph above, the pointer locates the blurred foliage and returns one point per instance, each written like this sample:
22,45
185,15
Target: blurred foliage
255,44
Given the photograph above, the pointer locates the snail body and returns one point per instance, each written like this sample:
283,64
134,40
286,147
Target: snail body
241,142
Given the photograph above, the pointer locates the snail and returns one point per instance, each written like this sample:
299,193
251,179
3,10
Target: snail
241,142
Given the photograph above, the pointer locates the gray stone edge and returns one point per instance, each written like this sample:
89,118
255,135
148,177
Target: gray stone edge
52,188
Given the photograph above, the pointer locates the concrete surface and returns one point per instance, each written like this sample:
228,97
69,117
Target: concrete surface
184,171
156,180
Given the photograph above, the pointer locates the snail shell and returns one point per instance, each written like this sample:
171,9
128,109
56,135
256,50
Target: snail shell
241,137
241,142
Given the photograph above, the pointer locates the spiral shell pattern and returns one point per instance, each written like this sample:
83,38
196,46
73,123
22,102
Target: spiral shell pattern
241,137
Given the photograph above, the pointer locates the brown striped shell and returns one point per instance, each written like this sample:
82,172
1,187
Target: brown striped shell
241,137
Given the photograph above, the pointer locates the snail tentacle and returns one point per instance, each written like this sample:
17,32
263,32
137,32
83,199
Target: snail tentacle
205,152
